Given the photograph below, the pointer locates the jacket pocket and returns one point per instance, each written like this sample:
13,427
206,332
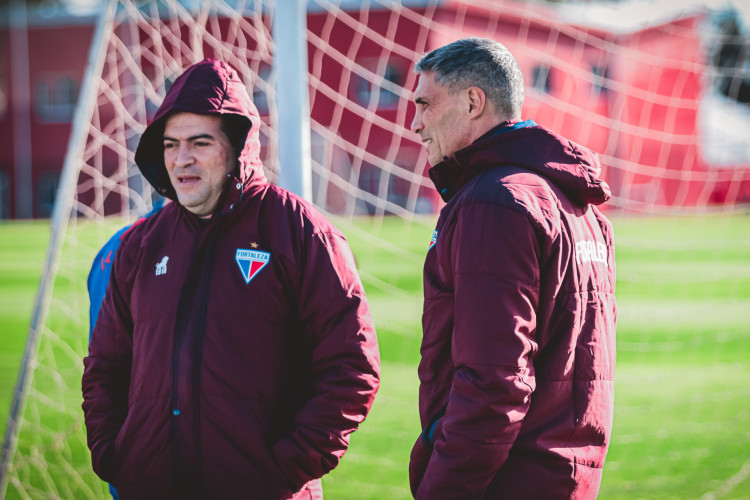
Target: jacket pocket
140,450
422,450
420,457
433,428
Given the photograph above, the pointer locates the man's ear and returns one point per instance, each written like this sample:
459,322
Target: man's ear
476,100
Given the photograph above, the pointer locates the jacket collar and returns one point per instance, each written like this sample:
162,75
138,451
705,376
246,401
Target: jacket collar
239,189
571,167
452,173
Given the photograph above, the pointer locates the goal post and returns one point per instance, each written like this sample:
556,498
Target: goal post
290,65
59,224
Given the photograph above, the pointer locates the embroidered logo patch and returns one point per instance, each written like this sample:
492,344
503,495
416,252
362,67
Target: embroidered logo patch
433,240
161,267
251,262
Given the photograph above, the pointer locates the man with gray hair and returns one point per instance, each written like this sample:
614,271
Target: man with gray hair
518,351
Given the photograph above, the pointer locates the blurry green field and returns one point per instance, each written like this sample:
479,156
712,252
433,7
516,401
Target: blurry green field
682,419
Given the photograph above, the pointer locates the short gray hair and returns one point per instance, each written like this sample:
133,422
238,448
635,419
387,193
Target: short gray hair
479,62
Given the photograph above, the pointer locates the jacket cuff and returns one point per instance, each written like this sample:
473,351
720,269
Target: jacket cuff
293,472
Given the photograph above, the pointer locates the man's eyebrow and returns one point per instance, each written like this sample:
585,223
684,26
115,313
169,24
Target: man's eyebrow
191,138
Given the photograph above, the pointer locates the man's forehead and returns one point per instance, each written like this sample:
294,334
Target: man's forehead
426,85
192,121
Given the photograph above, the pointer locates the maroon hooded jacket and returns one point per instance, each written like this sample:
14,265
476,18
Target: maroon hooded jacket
518,353
232,358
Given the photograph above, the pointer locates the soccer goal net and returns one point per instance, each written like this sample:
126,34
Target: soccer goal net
662,97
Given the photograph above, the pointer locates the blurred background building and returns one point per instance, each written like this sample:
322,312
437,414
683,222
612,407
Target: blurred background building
660,89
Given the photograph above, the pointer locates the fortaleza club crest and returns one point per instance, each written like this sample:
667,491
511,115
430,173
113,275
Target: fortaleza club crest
433,240
251,262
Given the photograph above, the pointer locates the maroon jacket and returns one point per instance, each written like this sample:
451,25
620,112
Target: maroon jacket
232,358
518,353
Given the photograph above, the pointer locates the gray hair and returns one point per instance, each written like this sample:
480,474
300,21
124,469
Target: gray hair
479,62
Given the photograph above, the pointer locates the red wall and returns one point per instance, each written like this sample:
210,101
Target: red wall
644,126
54,53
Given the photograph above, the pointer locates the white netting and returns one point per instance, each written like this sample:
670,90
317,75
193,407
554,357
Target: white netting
649,95
142,48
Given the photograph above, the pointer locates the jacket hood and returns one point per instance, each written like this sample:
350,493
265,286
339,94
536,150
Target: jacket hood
209,87
571,167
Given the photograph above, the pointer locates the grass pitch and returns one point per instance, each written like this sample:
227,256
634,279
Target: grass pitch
682,378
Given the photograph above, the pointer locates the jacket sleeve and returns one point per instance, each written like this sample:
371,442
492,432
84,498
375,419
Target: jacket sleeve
496,278
345,361
106,376
98,278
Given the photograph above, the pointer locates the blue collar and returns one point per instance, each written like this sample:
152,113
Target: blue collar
504,127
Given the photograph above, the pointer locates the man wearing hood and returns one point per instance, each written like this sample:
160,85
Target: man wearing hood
234,352
518,349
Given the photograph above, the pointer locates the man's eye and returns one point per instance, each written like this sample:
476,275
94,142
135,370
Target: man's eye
202,143
169,145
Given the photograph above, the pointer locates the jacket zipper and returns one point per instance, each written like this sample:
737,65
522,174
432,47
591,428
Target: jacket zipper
185,326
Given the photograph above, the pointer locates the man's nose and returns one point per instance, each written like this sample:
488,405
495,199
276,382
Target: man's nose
184,156
416,123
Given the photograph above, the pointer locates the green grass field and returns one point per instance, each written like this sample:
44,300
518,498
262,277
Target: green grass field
682,418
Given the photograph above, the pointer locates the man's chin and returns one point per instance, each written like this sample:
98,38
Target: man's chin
198,212
189,203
